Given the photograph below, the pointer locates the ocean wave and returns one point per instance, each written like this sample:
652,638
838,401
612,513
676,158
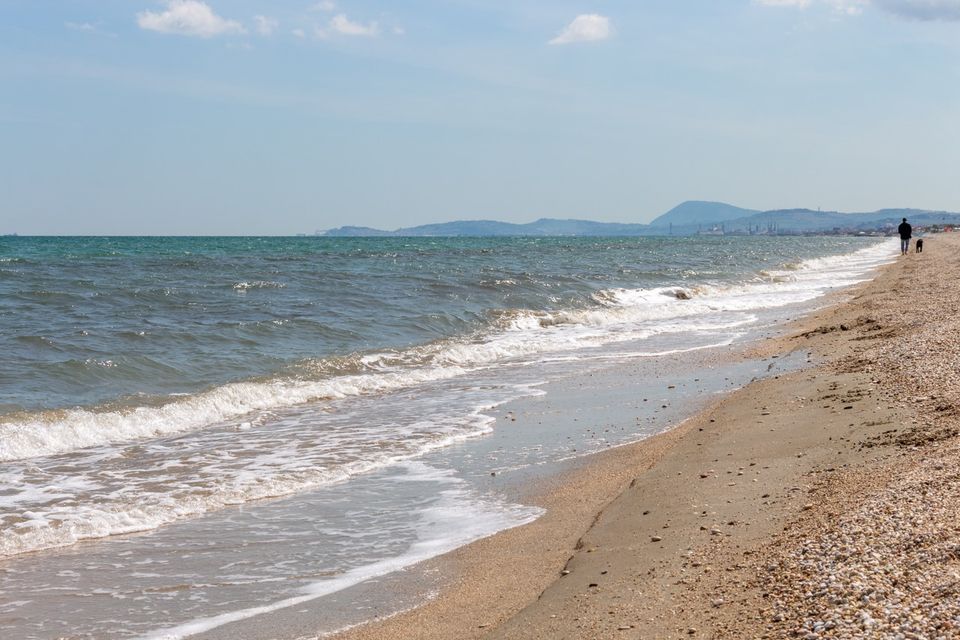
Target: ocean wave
55,517
259,284
616,315
458,518
54,432
527,333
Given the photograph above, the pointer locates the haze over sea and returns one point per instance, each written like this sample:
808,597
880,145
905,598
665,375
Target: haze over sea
160,384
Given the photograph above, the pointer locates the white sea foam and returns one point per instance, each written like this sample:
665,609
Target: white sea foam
620,315
457,519
259,284
62,431
110,500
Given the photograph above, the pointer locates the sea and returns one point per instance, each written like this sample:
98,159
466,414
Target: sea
200,431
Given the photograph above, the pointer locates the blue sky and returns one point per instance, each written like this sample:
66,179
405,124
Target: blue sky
281,116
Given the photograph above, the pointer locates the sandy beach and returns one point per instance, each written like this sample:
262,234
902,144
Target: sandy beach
816,503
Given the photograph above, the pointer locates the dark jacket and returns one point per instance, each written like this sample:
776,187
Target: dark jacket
905,230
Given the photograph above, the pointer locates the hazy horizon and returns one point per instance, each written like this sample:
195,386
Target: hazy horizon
248,117
311,232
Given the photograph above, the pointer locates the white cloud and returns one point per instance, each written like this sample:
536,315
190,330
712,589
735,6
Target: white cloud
87,27
188,18
80,26
929,10
325,5
266,25
299,33
588,27
849,7
345,27
799,4
946,10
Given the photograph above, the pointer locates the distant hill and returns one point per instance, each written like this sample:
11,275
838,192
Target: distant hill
698,212
358,232
542,227
688,218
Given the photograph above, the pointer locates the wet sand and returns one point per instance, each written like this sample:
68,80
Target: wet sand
766,515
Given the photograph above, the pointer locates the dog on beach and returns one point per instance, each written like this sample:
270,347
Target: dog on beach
919,245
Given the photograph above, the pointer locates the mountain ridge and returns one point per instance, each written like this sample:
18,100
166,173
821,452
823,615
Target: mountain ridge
687,218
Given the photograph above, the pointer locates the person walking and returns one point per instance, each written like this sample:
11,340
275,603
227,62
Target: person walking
905,231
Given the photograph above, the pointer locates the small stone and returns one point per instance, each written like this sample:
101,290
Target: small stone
656,539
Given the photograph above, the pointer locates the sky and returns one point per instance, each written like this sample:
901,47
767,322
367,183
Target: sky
289,116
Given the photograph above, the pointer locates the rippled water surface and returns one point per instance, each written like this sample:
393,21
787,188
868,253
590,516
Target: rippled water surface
92,321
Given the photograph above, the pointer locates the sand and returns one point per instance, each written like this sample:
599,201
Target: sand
819,503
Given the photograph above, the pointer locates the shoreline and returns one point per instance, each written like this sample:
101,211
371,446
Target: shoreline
596,565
